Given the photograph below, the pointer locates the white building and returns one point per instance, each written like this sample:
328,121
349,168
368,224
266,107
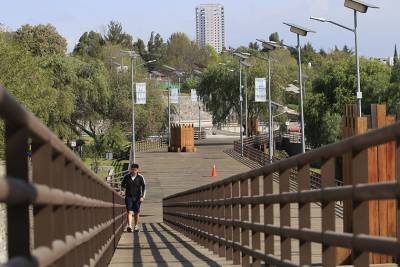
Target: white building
210,26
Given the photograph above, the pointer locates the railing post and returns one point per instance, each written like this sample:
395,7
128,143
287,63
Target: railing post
236,229
286,246
18,225
398,198
304,213
43,216
255,219
328,212
228,218
244,192
221,214
268,181
210,214
360,209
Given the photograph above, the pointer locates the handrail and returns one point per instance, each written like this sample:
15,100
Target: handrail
354,143
218,216
76,215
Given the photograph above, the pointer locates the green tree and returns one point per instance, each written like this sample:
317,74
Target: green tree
395,56
184,54
140,47
115,35
395,76
254,46
156,48
41,40
89,44
334,87
274,37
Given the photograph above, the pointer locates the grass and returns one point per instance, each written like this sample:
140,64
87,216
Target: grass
118,165
316,170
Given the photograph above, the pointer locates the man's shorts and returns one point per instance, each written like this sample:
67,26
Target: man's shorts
133,204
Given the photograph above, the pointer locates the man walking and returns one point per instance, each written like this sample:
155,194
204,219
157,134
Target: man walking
135,192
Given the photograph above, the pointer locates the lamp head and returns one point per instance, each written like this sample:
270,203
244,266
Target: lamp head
318,19
357,5
298,29
246,64
240,56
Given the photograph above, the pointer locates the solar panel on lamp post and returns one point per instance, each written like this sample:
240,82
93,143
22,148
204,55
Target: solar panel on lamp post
300,31
269,46
356,6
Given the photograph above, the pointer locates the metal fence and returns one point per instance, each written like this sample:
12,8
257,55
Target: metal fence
59,213
150,145
226,215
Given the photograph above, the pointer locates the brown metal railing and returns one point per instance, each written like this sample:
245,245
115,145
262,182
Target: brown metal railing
59,213
226,215
150,145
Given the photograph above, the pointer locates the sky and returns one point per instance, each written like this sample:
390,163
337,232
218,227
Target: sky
379,29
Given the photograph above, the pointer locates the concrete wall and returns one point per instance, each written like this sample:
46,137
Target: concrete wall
190,112
3,224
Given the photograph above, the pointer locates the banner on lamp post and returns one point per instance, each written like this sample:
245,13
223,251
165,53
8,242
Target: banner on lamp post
140,93
261,90
193,95
174,96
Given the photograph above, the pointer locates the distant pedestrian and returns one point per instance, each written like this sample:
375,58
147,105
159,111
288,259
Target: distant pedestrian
135,192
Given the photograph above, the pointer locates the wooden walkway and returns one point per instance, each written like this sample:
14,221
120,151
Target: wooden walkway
169,173
166,174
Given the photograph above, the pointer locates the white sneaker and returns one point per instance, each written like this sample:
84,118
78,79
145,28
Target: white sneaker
129,228
136,229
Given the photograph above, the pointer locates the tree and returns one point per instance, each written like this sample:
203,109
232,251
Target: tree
254,46
395,75
89,44
41,40
322,52
334,87
140,47
156,48
395,56
184,54
274,37
115,35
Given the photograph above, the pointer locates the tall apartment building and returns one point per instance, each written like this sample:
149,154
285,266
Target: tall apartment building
210,26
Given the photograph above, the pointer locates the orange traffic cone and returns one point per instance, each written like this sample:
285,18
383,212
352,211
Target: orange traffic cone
214,171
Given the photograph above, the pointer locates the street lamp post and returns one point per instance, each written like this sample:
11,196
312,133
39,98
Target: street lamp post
247,65
179,74
270,47
300,31
197,72
241,59
356,6
133,56
272,121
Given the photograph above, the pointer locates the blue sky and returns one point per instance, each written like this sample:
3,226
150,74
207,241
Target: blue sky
245,21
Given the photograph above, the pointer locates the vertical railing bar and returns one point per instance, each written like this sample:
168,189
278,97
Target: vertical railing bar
221,216
284,186
18,224
255,218
269,245
43,219
304,214
228,216
244,217
235,217
328,212
360,209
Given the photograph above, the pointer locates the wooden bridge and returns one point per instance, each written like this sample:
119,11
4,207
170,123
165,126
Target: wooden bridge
59,213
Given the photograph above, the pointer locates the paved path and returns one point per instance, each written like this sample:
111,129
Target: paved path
166,174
